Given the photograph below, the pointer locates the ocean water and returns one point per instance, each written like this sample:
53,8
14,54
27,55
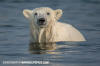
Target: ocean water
14,33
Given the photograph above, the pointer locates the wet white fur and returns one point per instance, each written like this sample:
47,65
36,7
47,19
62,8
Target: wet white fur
55,31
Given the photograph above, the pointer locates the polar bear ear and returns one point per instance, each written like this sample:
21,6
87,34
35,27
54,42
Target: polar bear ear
27,13
58,14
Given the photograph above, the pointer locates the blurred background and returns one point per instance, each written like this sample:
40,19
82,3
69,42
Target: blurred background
82,14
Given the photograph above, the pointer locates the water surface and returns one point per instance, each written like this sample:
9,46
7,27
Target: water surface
14,33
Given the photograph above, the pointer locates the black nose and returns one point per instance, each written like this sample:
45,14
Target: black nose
41,21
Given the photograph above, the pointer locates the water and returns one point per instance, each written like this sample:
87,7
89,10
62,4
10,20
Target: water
14,33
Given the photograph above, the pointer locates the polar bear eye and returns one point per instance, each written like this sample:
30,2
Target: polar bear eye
48,13
35,13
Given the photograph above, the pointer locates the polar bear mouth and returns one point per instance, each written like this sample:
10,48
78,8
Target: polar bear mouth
41,22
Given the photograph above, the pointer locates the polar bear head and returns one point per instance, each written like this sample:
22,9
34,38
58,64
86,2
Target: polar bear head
43,16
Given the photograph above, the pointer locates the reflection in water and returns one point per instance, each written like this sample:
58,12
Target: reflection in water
43,52
50,48
44,48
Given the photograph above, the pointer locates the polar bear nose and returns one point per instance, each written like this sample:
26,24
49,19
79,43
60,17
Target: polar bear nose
41,21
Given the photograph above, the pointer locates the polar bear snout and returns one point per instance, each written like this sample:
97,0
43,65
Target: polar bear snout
41,22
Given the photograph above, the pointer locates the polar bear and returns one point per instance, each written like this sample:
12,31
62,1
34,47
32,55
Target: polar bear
45,28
